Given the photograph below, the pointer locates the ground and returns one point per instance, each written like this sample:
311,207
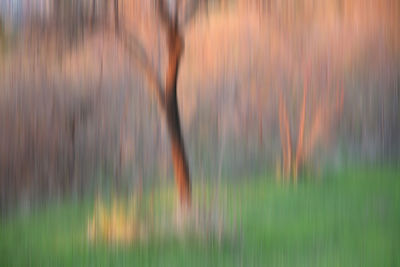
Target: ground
346,218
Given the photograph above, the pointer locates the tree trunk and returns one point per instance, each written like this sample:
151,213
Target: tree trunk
181,168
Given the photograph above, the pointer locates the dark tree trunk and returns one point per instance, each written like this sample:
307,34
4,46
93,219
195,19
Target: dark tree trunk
168,98
181,167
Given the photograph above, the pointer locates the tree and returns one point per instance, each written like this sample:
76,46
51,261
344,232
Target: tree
319,108
172,24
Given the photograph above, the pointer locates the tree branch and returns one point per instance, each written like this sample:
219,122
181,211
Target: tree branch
300,138
191,11
137,54
285,135
164,15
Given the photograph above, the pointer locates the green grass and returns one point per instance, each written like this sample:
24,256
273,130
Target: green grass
351,218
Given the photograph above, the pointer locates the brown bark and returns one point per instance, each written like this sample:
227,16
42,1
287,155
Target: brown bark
181,168
325,111
300,138
168,97
285,137
175,49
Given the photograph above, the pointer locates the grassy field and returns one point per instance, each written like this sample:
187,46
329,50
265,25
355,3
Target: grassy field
351,218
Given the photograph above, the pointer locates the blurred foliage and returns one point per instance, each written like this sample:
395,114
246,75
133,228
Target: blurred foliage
76,110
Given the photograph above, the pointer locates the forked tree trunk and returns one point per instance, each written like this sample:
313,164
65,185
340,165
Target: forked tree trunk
168,99
181,167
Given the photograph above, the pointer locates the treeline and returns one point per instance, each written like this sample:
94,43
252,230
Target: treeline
258,91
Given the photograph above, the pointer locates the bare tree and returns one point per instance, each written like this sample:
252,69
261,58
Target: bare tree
172,17
318,110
